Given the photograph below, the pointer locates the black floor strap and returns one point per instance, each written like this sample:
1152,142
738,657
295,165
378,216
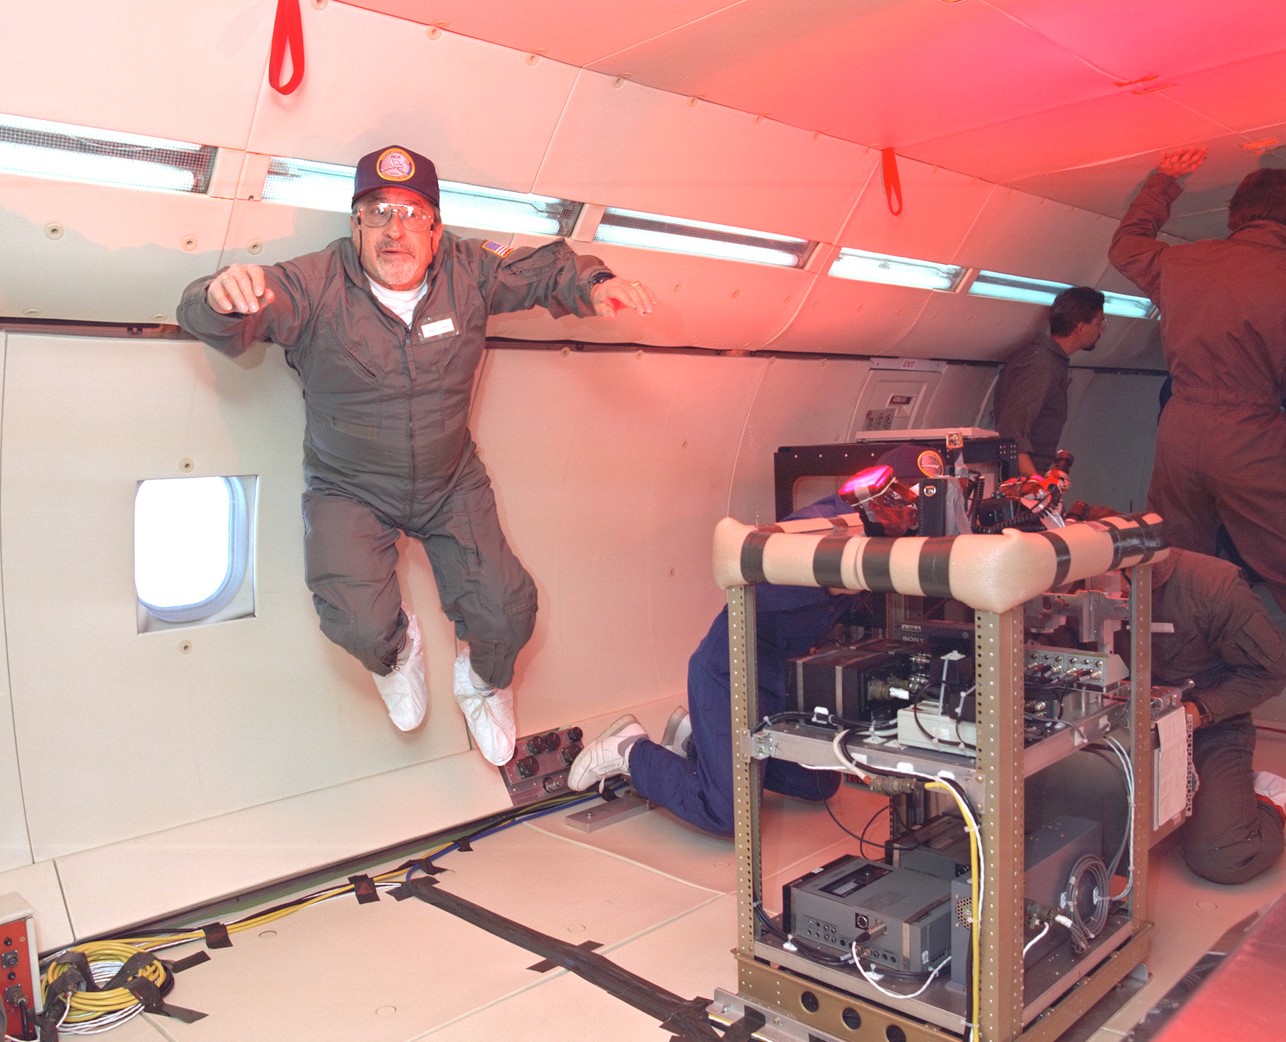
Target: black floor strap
684,1018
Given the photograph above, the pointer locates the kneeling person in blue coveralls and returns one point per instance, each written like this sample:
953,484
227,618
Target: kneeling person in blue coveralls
689,772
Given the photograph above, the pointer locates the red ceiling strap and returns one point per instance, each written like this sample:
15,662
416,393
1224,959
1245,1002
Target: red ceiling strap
287,35
892,183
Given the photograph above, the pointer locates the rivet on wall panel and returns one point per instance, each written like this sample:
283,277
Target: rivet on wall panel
160,318
435,33
53,230
671,572
185,646
187,466
736,293
31,313
619,82
532,59
255,248
693,102
678,286
188,242
320,5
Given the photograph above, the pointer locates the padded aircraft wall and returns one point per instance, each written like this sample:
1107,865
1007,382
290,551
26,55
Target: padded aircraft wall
151,772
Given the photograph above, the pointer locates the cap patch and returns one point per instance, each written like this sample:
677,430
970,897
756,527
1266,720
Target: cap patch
395,165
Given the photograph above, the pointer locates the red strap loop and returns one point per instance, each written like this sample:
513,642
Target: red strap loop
287,35
892,182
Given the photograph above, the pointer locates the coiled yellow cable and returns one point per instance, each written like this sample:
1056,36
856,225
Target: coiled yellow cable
105,959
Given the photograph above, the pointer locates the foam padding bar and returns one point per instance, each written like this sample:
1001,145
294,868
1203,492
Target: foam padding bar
986,572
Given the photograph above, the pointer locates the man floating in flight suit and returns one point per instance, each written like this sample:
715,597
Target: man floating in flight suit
386,329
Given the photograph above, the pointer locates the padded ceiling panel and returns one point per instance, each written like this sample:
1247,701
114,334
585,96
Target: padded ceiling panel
185,71
1021,234
625,145
372,80
938,209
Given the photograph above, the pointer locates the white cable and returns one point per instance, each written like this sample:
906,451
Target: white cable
895,994
1027,947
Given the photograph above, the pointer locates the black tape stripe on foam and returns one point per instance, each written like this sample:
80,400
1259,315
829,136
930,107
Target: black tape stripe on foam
934,566
684,1019
826,560
752,556
1062,556
1142,540
874,561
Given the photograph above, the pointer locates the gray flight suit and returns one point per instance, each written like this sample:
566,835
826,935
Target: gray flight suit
1031,399
387,447
1221,443
1213,630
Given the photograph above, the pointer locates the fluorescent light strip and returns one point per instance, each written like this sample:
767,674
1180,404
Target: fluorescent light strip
1128,307
862,266
328,186
1015,287
69,152
1039,291
700,238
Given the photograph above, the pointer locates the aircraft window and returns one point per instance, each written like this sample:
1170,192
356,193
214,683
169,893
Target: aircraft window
327,186
895,271
1039,291
67,152
677,235
192,550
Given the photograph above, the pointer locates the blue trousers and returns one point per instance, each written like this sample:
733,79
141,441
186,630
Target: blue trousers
698,788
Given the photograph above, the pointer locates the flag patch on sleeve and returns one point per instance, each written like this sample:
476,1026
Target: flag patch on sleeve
498,248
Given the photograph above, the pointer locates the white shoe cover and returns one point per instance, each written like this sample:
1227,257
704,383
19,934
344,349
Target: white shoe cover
404,692
488,712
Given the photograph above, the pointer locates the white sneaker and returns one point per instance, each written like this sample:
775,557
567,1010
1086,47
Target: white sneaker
1272,788
488,712
606,755
678,729
403,690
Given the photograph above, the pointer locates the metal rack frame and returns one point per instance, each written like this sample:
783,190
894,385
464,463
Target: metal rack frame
787,997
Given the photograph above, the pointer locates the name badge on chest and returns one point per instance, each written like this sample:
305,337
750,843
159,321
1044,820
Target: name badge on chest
437,328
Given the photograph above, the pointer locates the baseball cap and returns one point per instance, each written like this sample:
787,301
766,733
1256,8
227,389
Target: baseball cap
397,167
